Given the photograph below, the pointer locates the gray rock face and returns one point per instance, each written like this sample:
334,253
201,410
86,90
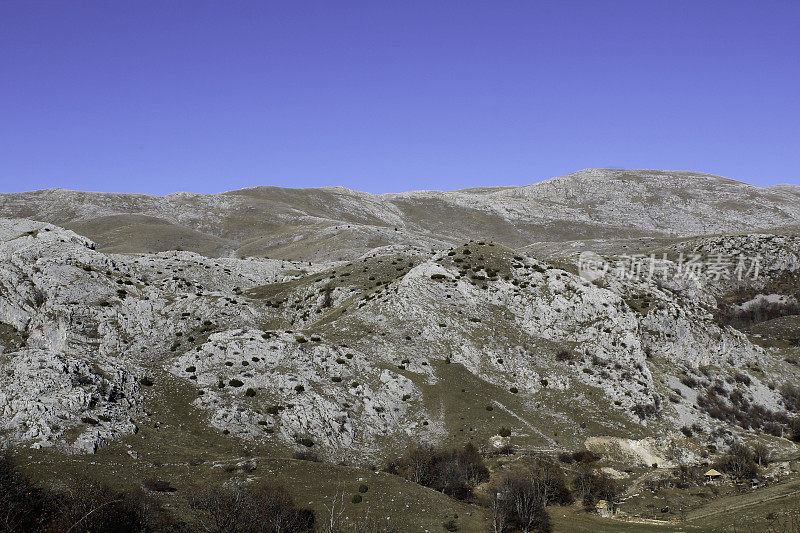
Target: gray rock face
79,327
343,401
357,358
45,394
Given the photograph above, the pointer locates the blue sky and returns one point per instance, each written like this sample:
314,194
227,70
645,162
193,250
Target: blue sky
165,96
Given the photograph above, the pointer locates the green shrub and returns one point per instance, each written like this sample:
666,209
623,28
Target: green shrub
363,488
250,392
564,355
147,382
308,443
191,369
235,383
357,498
504,432
299,388
450,525
158,485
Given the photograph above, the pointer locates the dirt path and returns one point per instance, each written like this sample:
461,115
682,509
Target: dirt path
742,506
525,422
637,485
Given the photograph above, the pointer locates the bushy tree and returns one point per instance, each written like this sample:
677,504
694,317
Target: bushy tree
454,472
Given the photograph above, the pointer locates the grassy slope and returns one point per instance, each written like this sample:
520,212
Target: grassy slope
143,234
179,447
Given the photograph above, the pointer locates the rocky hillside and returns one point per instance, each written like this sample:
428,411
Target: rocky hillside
358,358
334,223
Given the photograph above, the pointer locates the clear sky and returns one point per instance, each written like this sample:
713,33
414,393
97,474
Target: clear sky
385,96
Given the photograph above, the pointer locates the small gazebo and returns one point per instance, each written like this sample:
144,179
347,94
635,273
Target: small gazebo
713,476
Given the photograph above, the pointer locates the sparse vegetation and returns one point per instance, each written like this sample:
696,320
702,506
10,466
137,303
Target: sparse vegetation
249,509
759,311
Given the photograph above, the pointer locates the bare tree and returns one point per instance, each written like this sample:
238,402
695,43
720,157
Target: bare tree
263,509
218,510
417,464
738,462
761,454
334,513
526,498
274,511
582,479
471,464
454,472
497,502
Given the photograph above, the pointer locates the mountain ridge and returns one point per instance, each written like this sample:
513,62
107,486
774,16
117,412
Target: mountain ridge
463,189
336,223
